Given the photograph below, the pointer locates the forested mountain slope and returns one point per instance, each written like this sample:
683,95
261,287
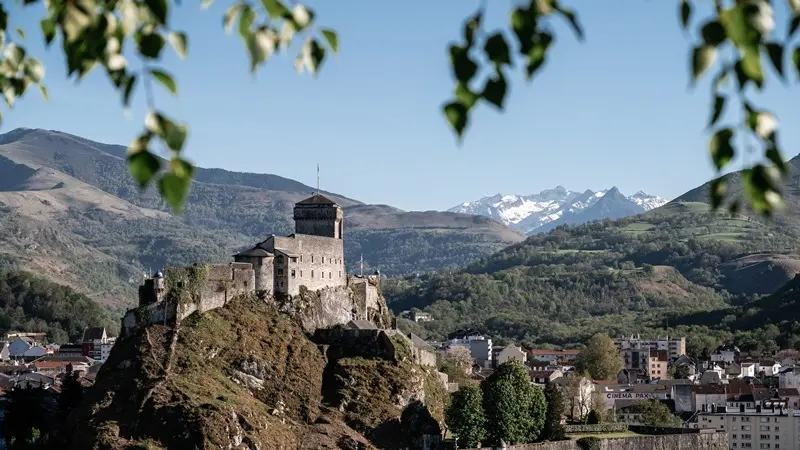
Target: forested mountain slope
614,276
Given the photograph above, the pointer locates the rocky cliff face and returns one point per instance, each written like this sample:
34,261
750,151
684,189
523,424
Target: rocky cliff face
245,376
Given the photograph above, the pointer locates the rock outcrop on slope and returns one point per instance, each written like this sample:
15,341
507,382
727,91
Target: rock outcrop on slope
245,376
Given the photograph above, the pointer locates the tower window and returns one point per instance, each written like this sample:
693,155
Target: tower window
330,276
340,274
312,258
323,260
312,274
301,274
292,273
294,260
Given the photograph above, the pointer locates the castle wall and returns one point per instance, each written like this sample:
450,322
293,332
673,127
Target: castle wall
222,283
319,220
264,271
705,441
319,263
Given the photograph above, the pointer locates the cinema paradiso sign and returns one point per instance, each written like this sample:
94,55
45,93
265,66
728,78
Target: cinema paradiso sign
633,396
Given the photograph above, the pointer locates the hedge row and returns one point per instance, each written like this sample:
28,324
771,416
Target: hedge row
596,428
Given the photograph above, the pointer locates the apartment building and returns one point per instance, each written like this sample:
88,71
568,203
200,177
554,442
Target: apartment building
756,428
673,347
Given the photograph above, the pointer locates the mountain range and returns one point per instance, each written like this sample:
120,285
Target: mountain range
69,211
678,269
550,208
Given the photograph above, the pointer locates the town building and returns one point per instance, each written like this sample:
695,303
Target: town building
635,351
508,353
554,355
97,344
755,428
312,257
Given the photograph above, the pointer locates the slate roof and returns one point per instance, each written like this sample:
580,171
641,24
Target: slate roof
362,325
255,251
93,333
420,343
317,199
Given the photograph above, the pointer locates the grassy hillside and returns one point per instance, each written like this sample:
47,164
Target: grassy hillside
621,276
72,214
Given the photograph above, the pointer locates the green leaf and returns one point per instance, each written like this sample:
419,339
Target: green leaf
471,25
74,22
737,26
465,96
159,9
524,26
572,18
796,60
463,67
703,57
751,65
301,16
174,189
172,134
165,79
143,166
494,91
741,77
179,42
719,106
48,30
332,38
793,25
775,157
43,90
206,3
150,45
21,33
246,20
713,33
761,189
775,52
456,114
720,147
275,8
497,49
719,187
129,83
230,15
181,167
686,13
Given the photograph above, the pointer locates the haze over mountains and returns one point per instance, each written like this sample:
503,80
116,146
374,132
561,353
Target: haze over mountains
69,211
550,208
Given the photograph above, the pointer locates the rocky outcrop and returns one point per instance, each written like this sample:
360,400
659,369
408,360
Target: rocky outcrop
246,376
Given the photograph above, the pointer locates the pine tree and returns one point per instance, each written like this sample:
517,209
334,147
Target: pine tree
553,430
515,409
465,416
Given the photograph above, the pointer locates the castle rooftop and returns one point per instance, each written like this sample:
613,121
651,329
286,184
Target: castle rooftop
316,199
255,251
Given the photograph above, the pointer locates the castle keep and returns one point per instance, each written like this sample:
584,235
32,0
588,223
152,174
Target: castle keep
312,257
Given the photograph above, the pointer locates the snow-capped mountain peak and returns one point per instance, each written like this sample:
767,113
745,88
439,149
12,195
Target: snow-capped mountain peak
552,207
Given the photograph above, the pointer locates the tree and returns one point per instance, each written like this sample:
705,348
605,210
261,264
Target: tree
515,409
464,415
553,430
600,359
680,372
460,357
656,414
741,30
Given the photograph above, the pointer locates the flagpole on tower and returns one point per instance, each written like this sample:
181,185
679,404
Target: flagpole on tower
361,273
317,178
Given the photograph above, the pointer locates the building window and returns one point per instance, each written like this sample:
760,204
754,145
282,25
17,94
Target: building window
294,259
323,260
764,428
279,259
312,274
765,419
280,271
330,276
312,258
292,273
301,274
340,274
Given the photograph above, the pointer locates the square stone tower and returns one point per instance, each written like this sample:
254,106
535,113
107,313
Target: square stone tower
318,216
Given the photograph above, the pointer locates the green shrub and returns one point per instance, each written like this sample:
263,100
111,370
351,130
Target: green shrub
599,428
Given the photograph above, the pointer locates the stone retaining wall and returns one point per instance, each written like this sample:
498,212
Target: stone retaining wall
705,441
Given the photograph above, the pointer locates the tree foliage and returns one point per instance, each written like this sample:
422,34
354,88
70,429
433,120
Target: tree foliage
515,409
600,359
28,303
465,417
552,429
655,414
734,38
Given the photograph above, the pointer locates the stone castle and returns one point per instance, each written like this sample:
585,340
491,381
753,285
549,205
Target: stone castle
303,273
312,257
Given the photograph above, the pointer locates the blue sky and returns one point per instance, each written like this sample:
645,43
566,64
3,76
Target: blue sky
613,110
